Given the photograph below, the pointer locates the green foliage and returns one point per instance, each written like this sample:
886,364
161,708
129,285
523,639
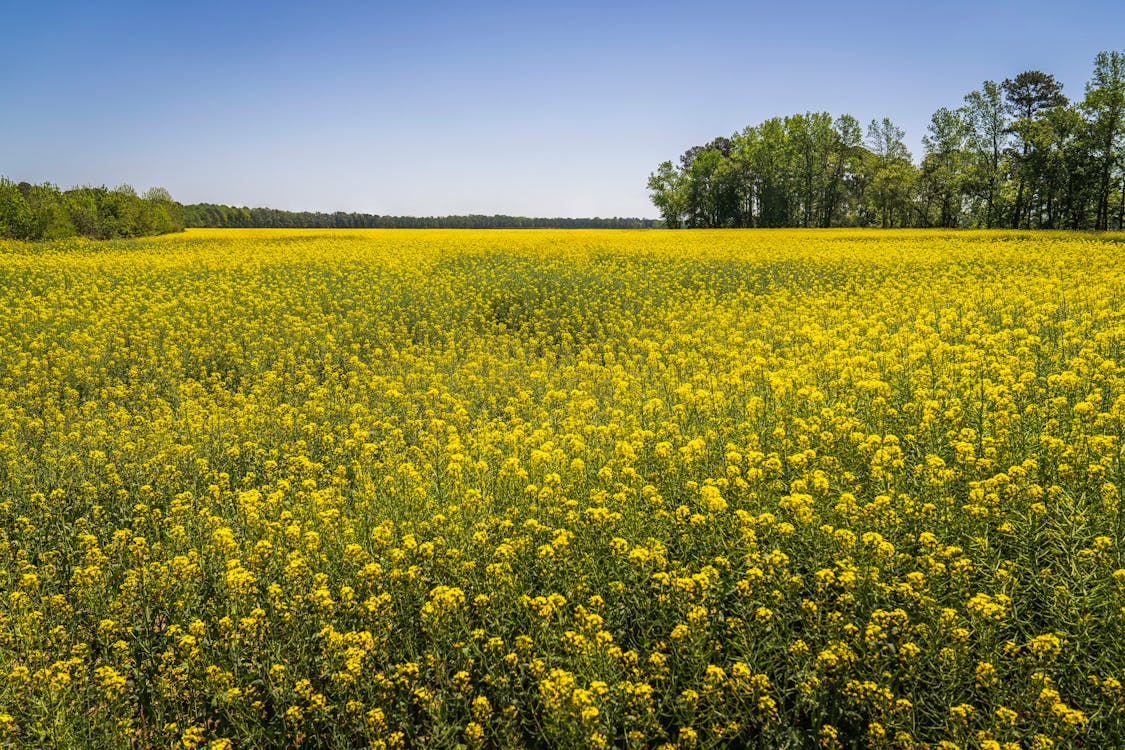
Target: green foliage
668,189
234,217
802,170
944,168
1105,107
1017,154
43,212
16,218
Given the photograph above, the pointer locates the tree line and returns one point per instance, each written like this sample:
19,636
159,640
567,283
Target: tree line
44,212
220,216
1016,154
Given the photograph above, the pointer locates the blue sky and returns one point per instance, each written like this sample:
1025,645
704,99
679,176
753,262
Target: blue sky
546,109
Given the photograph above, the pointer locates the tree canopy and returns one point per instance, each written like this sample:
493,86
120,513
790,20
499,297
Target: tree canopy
1017,154
43,212
218,215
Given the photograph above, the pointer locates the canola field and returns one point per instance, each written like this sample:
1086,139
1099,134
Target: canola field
575,489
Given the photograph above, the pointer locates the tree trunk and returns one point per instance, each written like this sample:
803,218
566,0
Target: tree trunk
1121,209
1017,214
1102,220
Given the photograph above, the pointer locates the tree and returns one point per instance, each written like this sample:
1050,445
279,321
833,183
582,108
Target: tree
81,206
1016,154
943,168
893,173
987,118
1104,107
846,160
668,192
705,199
1058,166
16,218
51,220
158,194
812,141
160,213
1027,96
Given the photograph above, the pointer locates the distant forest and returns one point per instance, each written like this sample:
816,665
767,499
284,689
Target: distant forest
1017,154
44,212
215,215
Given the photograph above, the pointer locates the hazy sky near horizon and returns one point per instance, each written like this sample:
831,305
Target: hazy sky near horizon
528,108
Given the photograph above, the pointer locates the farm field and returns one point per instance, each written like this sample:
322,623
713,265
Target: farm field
661,489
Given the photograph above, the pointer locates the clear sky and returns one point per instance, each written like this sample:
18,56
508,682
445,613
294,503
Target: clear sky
430,108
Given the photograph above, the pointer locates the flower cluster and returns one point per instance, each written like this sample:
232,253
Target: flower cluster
580,489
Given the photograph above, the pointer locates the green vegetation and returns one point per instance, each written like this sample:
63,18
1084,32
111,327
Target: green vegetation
220,216
469,490
43,212
1016,154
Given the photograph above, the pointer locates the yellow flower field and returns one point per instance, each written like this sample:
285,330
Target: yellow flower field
563,489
